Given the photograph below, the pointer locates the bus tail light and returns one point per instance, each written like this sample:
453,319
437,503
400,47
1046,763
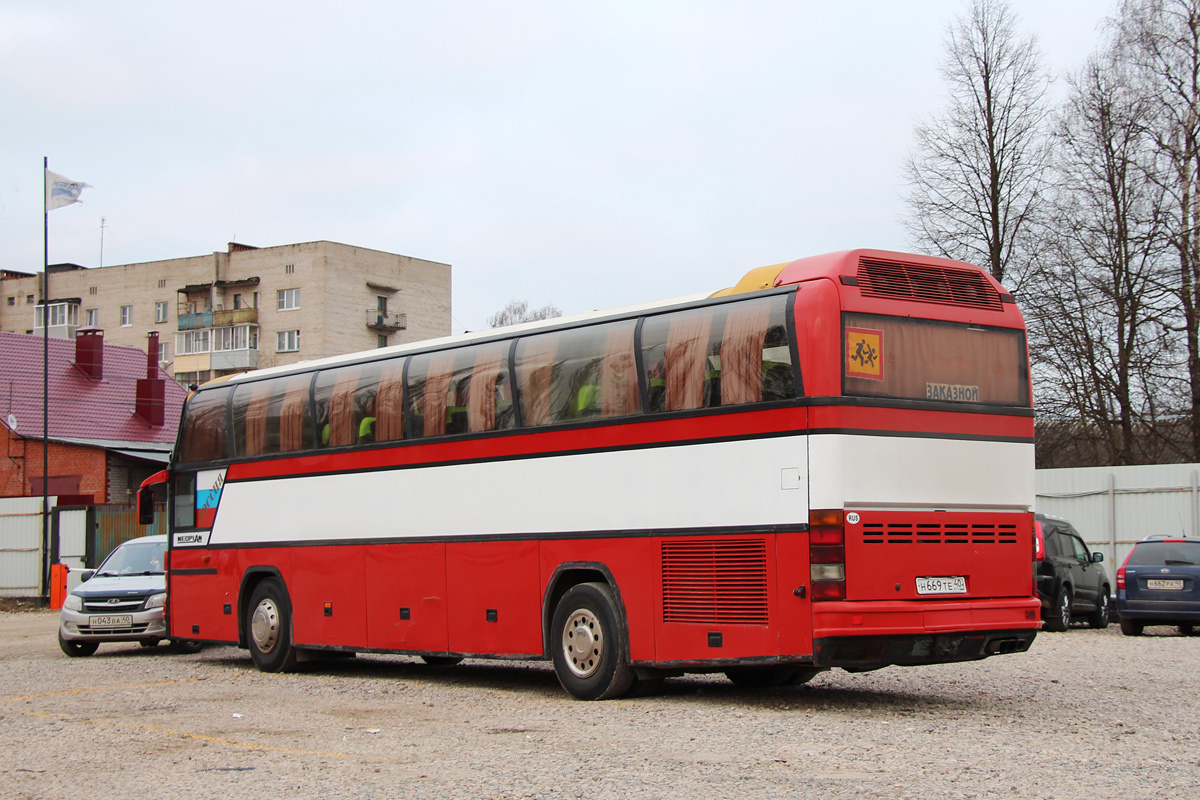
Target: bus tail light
827,554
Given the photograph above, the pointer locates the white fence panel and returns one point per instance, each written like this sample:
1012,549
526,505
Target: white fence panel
21,546
72,537
1114,507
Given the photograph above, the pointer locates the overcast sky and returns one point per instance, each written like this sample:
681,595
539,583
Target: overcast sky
583,154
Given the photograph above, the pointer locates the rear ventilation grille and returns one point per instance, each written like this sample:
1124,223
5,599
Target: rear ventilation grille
715,581
946,285
935,533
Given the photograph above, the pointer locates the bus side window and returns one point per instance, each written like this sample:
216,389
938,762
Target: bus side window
578,374
675,351
205,427
389,402
730,354
488,376
250,404
184,508
294,422
535,370
428,390
755,356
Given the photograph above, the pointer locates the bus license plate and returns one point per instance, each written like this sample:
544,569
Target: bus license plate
112,621
945,584
1165,583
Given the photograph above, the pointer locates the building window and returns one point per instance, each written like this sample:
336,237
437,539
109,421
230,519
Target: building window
160,312
93,290
193,378
28,299
12,301
191,343
381,304
238,337
60,314
289,268
164,352
381,340
287,341
93,317
162,283
287,299
126,316
237,302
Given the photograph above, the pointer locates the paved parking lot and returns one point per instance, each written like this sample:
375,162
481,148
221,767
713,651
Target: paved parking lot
1085,714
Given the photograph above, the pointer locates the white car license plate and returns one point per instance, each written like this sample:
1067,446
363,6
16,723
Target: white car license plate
1164,583
112,621
944,584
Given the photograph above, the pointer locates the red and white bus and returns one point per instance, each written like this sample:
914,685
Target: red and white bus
828,465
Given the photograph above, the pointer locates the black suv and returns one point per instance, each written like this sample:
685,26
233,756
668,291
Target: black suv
1070,581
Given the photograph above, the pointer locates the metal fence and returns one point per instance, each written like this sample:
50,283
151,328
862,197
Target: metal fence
80,536
1115,507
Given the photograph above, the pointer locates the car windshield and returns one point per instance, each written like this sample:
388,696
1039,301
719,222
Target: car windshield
1179,554
135,558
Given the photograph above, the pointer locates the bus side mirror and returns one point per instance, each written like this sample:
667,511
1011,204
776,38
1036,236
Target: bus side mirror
145,503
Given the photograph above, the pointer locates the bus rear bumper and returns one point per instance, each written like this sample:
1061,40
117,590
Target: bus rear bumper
870,635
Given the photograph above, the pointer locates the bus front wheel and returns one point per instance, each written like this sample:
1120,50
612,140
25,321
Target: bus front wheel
588,644
269,627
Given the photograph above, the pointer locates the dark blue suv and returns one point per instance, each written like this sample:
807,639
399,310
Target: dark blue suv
1159,584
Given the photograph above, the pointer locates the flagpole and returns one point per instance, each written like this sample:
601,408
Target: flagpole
45,380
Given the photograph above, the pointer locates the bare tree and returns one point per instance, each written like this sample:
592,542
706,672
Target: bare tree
1159,42
518,311
1096,306
977,169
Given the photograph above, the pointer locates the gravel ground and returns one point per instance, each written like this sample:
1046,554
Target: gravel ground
1083,714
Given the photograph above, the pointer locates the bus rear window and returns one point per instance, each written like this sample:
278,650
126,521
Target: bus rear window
914,359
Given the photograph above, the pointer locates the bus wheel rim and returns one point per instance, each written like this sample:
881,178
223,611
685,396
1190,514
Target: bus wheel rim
264,625
583,643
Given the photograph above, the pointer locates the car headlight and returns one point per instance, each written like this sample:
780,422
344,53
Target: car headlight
157,600
73,603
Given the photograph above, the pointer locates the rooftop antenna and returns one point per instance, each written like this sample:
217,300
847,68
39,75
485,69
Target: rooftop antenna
102,221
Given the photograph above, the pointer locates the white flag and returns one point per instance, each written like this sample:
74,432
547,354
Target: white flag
62,191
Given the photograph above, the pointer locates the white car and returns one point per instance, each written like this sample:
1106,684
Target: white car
121,601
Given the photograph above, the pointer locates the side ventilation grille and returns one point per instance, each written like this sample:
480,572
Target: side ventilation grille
946,285
715,581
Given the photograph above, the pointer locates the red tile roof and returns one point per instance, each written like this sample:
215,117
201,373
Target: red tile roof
80,407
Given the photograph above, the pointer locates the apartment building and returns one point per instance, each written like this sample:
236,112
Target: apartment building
244,308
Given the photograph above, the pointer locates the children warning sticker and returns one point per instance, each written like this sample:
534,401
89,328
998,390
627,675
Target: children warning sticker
864,353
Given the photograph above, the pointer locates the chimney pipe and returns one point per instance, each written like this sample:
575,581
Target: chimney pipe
152,356
89,352
150,399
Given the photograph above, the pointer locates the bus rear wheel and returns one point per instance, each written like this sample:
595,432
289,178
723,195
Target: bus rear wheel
760,677
588,644
269,627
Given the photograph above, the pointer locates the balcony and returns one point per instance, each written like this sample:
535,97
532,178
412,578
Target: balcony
236,316
380,321
234,359
189,322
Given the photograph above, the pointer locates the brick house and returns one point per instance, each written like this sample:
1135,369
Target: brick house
113,414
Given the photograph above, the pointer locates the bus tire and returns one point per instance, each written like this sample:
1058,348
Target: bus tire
760,677
441,661
269,627
588,644
803,675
